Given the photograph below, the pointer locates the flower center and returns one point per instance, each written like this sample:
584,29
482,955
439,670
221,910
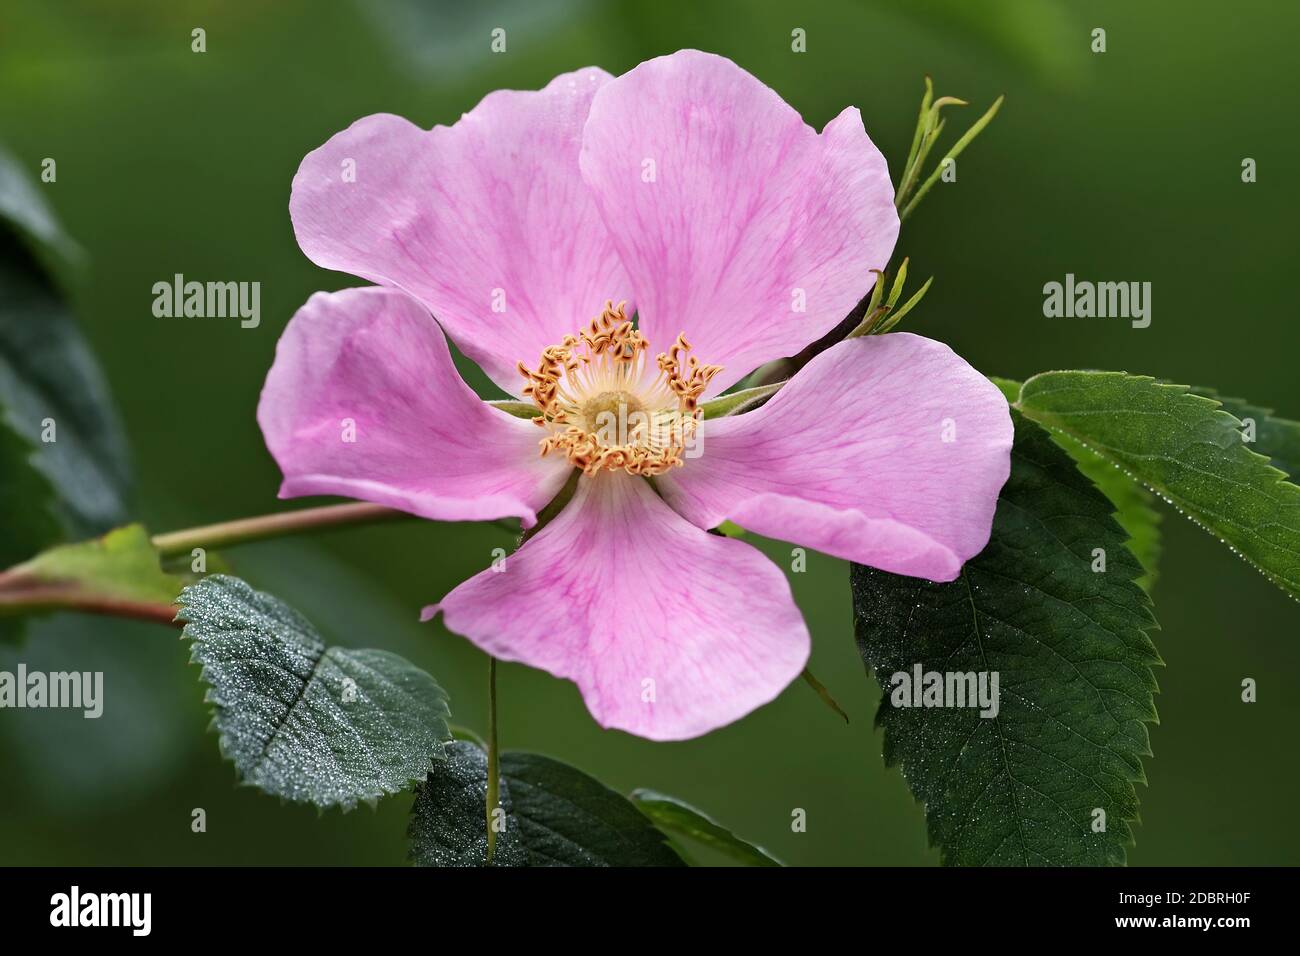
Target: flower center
620,402
604,409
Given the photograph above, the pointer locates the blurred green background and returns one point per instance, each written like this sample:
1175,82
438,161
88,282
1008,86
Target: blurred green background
1119,166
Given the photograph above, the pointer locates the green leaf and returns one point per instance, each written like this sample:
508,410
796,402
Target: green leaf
328,726
1186,449
1010,388
673,815
122,564
1134,504
69,479
1074,665
49,377
47,371
553,815
449,820
25,495
1276,438
24,209
25,516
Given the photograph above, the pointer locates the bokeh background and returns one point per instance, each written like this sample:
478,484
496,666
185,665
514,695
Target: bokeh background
1117,166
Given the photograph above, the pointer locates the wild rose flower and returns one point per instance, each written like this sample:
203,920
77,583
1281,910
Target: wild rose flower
736,235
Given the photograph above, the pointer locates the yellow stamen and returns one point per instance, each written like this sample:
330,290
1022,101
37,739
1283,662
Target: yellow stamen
600,407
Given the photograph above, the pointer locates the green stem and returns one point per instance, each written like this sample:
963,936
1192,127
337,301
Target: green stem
243,530
230,533
493,781
22,592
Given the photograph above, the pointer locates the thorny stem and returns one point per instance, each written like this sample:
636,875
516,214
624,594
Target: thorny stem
493,775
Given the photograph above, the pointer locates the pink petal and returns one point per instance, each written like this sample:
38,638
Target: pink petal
424,442
458,216
617,591
748,205
851,459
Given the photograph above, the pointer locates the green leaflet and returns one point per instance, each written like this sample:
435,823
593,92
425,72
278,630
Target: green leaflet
1070,647
1134,504
63,462
328,726
24,210
49,380
25,516
675,816
1276,438
448,820
552,815
567,818
25,498
122,564
1186,449
50,384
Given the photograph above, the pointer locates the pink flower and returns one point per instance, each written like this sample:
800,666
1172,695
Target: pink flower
690,188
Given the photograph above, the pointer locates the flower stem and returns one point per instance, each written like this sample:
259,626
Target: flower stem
492,759
243,530
229,533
